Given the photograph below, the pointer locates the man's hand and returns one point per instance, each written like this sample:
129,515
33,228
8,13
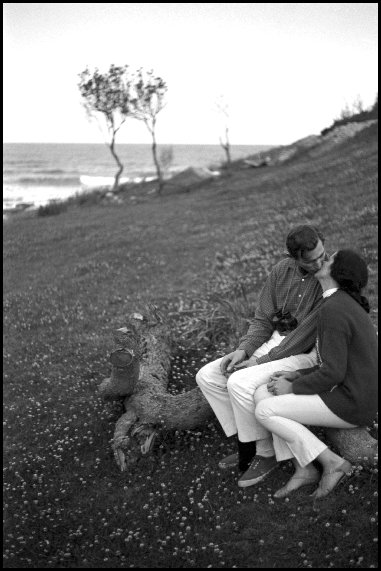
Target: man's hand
279,386
232,360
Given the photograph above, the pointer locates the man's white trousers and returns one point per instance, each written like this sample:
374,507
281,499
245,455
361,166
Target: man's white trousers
234,399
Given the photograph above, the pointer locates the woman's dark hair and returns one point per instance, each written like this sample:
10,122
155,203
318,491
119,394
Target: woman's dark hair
302,238
350,271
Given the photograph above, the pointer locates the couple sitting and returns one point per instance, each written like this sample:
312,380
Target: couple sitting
308,358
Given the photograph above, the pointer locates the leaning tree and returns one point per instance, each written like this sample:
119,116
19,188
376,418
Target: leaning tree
107,98
148,102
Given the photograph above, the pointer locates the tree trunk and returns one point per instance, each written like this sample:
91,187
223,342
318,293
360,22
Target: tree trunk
140,366
120,169
156,160
226,146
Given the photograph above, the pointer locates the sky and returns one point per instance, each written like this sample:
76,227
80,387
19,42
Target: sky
285,71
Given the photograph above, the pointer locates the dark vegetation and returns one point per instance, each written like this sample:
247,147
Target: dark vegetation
201,255
354,116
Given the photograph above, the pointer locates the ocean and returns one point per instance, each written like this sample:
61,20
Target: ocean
36,173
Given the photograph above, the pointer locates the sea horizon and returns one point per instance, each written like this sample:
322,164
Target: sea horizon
36,173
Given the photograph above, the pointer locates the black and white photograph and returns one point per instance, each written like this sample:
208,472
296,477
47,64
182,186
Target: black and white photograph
190,285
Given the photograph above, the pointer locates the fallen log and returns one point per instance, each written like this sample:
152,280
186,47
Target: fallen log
140,364
355,444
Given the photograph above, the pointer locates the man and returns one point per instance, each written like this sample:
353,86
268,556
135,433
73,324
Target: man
281,337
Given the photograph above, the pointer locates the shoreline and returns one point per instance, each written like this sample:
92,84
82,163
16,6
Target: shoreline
181,178
37,173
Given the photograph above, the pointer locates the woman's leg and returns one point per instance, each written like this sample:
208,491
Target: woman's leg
303,476
278,446
334,469
287,415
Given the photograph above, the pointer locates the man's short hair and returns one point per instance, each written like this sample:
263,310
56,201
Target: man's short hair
303,238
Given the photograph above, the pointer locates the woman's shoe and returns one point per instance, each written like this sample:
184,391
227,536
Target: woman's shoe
331,479
295,483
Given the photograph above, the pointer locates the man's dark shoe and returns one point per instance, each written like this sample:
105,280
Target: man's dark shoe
240,460
229,462
257,471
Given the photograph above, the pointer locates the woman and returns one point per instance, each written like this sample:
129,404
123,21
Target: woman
340,392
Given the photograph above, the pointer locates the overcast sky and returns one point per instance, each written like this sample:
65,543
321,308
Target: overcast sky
286,70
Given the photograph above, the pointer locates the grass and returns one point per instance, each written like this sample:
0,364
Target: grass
70,280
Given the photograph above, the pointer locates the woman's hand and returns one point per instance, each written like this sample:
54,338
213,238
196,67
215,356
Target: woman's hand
287,375
279,386
280,382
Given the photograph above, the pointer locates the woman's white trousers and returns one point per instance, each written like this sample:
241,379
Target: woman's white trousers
286,415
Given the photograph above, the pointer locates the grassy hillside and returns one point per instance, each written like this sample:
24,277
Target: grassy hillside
69,280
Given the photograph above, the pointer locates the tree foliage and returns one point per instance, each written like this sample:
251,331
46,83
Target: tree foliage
118,94
108,96
149,100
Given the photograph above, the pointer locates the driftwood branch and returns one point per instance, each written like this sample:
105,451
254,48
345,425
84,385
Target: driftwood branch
140,364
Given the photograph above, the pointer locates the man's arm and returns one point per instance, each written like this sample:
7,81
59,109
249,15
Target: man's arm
261,327
301,340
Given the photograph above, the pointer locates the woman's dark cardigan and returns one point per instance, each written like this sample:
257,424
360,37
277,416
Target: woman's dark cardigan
346,380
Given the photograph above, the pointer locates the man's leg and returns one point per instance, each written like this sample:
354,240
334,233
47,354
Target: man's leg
242,386
213,386
235,408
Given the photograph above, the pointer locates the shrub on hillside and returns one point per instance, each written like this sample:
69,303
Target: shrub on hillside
53,208
88,198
